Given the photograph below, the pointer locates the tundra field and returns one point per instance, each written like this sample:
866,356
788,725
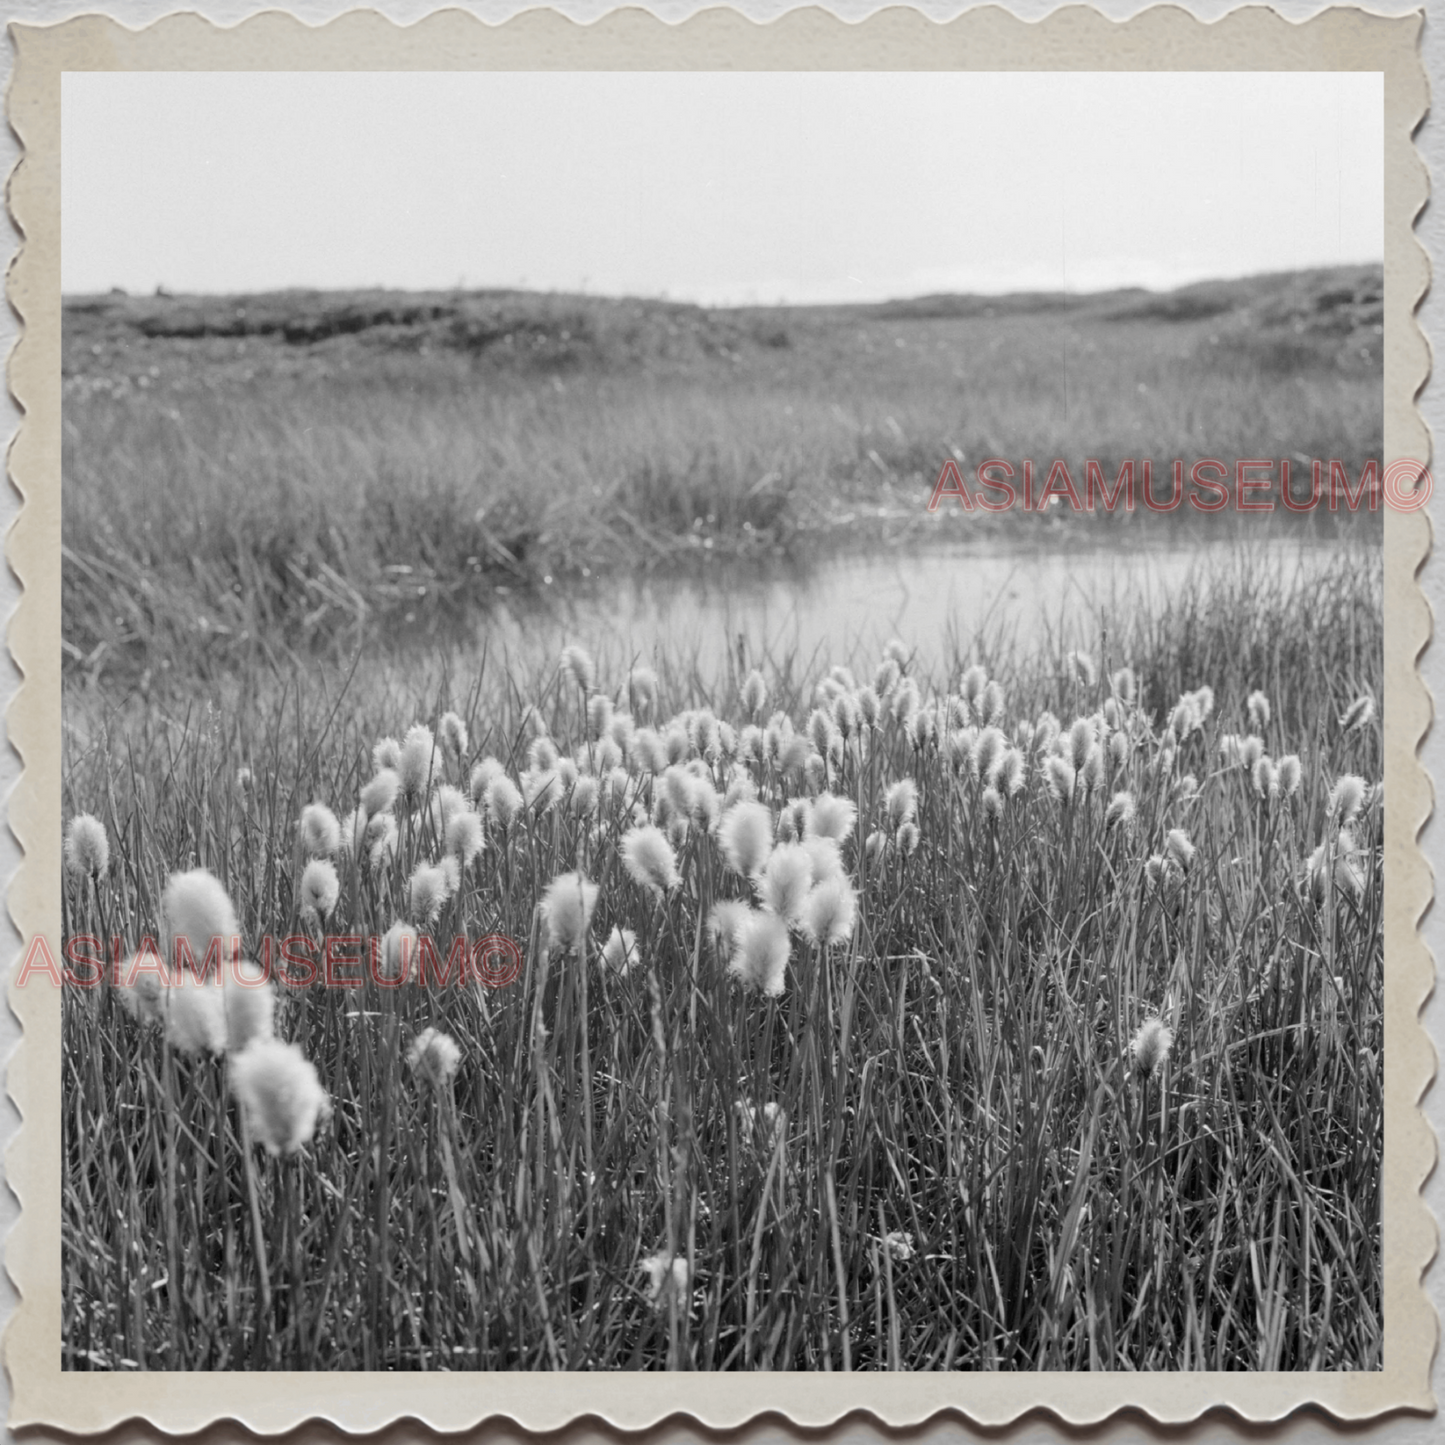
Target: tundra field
245,475
933,1033
1015,1007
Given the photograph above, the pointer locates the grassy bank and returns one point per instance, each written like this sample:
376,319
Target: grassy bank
248,474
933,1148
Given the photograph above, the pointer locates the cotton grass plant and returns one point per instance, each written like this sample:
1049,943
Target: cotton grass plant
985,1016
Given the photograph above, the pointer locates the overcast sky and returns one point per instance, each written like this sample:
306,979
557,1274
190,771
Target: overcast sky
715,187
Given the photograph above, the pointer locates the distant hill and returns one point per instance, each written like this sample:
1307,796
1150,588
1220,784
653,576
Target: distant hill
560,325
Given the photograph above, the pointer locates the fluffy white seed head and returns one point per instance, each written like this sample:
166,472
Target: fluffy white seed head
833,817
380,792
578,665
280,1094
195,1015
1150,1046
830,911
453,736
567,905
620,953
649,859
426,891
320,888
87,849
760,958
667,1278
902,803
1359,714
642,690
1120,813
464,836
400,952
785,880
1257,707
1346,799
503,801
1060,777
1178,849
197,912
1289,775
417,766
434,1056
386,754
745,836
320,832
249,1001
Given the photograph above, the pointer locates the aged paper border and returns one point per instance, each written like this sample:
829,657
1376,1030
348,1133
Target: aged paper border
989,39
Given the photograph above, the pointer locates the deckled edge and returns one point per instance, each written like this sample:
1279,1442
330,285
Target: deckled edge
32,1251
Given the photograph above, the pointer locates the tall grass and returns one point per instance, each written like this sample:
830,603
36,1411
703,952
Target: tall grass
228,490
961,1166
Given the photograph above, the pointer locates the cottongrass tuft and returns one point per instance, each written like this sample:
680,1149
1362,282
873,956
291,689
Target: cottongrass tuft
1120,812
642,689
453,736
386,756
320,832
280,1094
725,926
833,817
379,794
504,801
902,803
667,1279
320,888
830,911
908,838
196,908
620,952
1150,1046
899,1244
400,949
578,665
1084,668
144,997
1359,714
1257,706
1178,849
434,1056
785,880
567,905
1059,775
87,849
760,955
649,859
1290,774
249,1003
417,765
464,836
1266,779
195,1015
1346,799
745,835
427,890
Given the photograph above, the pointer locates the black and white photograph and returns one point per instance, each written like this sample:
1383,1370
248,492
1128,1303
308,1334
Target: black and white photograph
723,721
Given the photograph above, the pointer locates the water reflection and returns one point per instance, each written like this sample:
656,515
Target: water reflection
940,602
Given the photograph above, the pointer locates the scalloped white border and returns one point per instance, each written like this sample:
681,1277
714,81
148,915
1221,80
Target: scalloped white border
1163,37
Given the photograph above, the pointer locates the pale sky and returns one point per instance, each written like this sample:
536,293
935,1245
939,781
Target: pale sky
716,187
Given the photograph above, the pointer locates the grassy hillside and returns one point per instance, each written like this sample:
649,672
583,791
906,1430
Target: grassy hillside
244,473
